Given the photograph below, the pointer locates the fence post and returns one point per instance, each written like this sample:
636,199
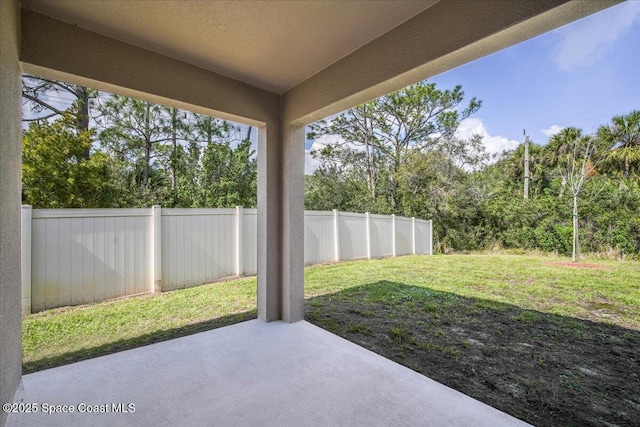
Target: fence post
26,258
430,248
413,235
336,234
239,240
393,234
368,223
156,214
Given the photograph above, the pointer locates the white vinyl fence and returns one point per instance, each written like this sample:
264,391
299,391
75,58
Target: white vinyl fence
80,256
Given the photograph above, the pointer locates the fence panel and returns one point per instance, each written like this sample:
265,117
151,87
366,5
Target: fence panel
404,236
85,256
198,246
80,256
381,236
423,237
318,237
353,235
250,243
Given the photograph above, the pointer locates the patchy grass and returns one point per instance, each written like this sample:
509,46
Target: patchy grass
550,344
60,336
610,294
545,342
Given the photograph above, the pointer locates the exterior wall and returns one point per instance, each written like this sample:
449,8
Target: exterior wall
10,161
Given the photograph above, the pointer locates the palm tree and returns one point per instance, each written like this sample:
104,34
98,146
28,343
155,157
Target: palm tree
622,137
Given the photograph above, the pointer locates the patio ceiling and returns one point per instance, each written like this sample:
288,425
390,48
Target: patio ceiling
274,45
320,56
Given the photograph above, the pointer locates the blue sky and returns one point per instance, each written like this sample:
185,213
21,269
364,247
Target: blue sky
578,75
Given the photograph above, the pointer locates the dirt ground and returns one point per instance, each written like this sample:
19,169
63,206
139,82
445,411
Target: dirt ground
545,369
577,265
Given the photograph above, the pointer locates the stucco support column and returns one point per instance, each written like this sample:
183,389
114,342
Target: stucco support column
10,161
293,223
269,220
281,222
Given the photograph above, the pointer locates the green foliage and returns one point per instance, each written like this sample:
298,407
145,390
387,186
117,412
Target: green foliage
228,176
379,137
623,139
55,172
473,205
131,153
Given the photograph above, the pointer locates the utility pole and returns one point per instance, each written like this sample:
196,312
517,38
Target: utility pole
526,164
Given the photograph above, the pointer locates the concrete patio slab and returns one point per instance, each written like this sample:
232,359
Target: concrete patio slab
249,374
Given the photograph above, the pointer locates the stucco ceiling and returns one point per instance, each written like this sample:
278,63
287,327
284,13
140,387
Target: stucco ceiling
274,45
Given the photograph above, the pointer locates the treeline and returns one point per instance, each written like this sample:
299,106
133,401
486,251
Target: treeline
400,154
397,154
94,150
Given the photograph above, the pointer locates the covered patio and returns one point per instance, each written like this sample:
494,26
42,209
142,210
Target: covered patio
279,66
251,374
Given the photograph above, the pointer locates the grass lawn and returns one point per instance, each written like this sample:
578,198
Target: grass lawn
541,340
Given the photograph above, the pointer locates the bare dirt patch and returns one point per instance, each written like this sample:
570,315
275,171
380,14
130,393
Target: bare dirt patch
546,369
582,265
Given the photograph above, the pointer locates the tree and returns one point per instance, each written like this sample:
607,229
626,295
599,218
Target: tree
177,129
135,132
227,172
339,184
623,139
228,176
35,90
418,117
55,171
576,166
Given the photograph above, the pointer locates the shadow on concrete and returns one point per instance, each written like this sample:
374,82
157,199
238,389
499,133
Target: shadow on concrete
546,369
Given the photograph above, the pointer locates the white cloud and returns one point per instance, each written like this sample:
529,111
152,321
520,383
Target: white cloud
584,42
494,144
311,164
553,130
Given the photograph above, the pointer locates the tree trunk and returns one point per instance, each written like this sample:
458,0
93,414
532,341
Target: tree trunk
174,154
147,161
82,121
147,146
627,167
576,239
370,172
